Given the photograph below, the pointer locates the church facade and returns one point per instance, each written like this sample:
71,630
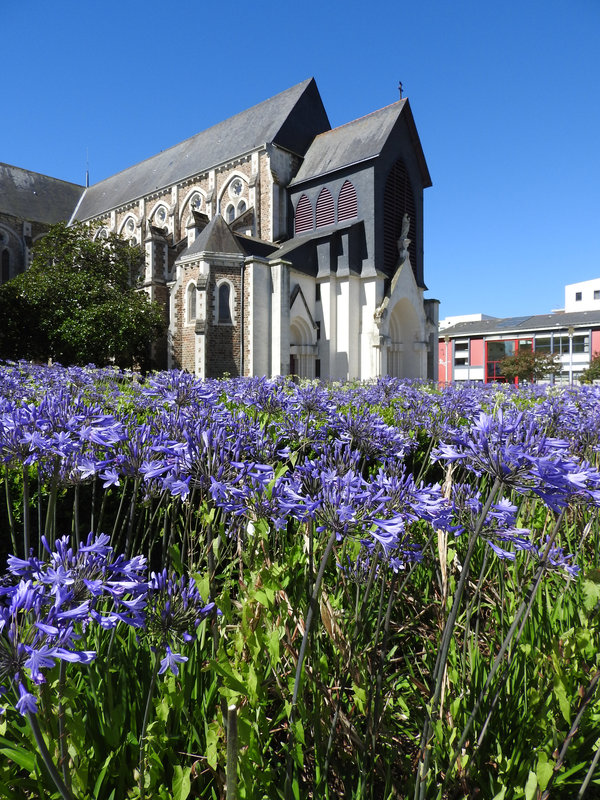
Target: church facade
278,245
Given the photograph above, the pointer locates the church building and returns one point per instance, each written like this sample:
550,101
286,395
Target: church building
278,245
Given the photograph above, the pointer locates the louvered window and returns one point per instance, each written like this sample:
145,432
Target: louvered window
325,211
304,215
347,204
398,200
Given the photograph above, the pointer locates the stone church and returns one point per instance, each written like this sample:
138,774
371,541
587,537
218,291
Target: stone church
275,244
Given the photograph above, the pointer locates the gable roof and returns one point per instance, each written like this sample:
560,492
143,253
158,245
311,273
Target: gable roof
290,119
360,140
36,198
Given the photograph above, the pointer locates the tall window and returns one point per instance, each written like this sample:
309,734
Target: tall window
230,213
347,203
5,266
304,220
224,304
191,302
325,212
398,200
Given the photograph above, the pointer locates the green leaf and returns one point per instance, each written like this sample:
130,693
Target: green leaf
181,782
560,692
20,756
531,786
544,770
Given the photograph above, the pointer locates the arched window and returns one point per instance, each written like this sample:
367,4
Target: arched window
398,200
224,304
304,220
241,207
191,302
5,266
325,211
347,203
160,216
230,213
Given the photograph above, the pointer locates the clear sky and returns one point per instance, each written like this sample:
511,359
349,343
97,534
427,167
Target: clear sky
505,95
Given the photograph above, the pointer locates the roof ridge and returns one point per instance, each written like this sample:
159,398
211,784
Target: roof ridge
203,131
364,116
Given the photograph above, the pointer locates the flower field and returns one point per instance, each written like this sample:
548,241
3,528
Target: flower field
260,589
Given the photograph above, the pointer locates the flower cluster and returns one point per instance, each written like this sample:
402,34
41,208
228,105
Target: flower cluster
48,605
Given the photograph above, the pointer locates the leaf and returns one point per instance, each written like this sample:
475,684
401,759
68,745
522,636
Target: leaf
531,786
181,783
544,770
591,590
560,692
20,756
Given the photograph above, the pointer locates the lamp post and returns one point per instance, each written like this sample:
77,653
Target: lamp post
571,331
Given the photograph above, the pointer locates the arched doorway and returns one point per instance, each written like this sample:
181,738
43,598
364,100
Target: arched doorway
302,349
405,349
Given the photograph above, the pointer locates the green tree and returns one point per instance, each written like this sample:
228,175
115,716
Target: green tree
527,365
592,373
78,303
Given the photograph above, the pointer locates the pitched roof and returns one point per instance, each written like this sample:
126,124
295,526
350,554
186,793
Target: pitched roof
518,325
215,238
34,197
291,119
360,140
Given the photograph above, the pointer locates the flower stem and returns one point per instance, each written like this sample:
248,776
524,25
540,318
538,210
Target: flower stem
39,740
145,724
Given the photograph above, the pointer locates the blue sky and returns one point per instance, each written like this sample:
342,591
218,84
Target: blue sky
505,98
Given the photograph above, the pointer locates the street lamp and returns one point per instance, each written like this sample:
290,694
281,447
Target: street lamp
571,331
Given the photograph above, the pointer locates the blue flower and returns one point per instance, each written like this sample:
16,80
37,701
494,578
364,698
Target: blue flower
170,661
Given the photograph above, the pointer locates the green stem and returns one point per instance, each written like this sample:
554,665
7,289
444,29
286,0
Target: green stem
46,758
440,665
144,726
11,518
309,617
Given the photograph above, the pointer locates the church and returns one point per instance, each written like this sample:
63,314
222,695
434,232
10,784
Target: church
275,244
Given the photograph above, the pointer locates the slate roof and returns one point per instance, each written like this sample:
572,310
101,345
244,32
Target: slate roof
217,237
36,198
290,119
360,140
538,322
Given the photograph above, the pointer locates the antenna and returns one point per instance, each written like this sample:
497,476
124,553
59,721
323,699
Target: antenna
87,168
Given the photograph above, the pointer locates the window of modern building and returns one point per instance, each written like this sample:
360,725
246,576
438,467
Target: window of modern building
543,344
581,343
325,209
461,353
577,295
347,202
596,294
224,304
304,219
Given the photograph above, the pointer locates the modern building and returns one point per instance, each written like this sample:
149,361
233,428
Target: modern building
278,245
473,349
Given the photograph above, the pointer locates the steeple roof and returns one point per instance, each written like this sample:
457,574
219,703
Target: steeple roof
35,197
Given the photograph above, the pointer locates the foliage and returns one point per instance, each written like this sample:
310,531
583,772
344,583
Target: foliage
592,373
529,365
402,573
78,303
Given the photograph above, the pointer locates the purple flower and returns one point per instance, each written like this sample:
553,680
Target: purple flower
27,703
170,661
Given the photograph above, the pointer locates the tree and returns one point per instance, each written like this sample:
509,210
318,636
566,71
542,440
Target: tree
592,373
78,303
527,365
